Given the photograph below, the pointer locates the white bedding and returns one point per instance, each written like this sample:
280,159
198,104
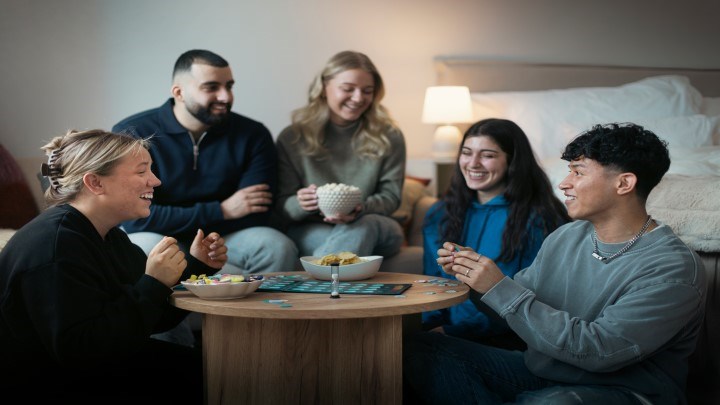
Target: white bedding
550,118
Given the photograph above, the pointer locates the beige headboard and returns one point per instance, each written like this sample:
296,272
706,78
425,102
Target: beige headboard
483,75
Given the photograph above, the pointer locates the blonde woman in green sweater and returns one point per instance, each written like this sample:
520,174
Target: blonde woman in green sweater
343,135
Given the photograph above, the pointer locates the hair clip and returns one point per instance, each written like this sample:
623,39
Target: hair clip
50,171
45,169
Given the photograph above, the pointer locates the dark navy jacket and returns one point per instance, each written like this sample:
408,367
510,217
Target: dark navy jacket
238,153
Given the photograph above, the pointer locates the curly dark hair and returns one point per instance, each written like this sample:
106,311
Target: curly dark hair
528,191
625,147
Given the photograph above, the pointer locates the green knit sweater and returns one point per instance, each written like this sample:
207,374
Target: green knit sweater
381,180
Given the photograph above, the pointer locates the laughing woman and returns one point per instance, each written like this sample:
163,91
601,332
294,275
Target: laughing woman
79,301
343,135
500,203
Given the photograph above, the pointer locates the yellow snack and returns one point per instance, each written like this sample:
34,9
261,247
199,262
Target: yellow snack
340,258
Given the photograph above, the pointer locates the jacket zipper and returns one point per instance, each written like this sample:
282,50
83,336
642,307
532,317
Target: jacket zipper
196,148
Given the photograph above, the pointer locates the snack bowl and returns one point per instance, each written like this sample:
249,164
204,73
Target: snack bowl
224,290
338,199
369,266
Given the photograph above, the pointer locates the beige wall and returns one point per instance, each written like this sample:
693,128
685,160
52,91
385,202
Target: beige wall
85,64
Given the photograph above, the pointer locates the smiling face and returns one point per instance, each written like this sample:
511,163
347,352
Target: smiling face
128,189
588,189
205,92
484,166
349,94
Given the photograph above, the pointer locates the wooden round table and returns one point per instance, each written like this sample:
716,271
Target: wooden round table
311,348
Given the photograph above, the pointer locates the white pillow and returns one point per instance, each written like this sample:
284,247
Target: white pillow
691,131
541,114
710,106
703,161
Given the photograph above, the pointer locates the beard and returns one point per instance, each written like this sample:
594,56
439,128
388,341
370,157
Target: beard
205,115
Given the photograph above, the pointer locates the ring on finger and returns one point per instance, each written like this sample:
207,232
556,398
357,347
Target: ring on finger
467,272
478,258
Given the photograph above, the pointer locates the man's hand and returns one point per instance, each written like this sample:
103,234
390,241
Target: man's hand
248,200
477,271
210,250
166,262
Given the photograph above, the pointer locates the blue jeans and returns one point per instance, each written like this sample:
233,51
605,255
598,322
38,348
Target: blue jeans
439,369
253,250
371,234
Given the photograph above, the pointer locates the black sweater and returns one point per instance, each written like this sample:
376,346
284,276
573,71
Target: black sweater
70,298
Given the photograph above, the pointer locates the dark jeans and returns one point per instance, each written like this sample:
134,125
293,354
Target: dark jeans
439,369
161,373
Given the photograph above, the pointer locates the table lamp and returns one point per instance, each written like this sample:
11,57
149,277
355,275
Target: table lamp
447,105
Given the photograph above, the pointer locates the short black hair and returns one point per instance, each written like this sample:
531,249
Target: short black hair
186,60
626,147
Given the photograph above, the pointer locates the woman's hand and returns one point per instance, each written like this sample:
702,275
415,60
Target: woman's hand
477,271
166,262
210,249
346,218
307,198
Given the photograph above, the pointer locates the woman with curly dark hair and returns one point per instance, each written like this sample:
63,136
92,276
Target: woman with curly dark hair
500,204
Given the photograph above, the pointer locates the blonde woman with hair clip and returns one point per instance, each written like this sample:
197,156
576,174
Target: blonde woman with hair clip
343,135
79,301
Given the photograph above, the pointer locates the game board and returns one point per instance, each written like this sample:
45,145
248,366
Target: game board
300,285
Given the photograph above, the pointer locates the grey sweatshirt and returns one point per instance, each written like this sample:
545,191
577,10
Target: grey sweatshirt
630,322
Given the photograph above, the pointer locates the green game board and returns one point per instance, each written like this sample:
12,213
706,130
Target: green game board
295,285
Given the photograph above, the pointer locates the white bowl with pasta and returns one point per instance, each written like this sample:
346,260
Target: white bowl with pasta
366,268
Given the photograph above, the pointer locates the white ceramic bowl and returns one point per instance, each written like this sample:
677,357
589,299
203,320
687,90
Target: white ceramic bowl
222,291
348,272
333,202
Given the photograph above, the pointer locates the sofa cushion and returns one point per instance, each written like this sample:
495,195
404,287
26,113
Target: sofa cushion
17,206
413,189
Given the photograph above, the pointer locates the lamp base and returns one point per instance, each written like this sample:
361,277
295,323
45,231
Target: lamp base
446,142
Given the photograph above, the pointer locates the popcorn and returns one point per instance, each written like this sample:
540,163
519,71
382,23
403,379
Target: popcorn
338,187
338,199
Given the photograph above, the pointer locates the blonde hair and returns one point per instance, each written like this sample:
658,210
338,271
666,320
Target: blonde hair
309,122
76,153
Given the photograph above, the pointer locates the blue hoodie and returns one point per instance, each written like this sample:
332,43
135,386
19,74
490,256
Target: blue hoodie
483,230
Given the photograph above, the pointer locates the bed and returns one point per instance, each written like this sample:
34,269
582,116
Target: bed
553,103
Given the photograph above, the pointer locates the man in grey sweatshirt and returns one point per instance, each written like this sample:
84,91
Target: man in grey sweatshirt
610,309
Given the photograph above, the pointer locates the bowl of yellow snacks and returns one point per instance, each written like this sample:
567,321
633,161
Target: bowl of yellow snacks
222,286
338,199
352,267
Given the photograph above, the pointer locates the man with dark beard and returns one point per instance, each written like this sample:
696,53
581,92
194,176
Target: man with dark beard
218,170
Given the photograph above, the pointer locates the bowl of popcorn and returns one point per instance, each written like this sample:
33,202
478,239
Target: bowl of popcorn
351,266
222,286
338,199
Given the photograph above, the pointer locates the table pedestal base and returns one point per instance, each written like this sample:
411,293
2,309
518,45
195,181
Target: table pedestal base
316,361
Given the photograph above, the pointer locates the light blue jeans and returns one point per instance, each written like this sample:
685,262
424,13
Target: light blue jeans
253,250
250,251
371,234
438,369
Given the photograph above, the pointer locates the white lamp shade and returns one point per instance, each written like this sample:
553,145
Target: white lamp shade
447,105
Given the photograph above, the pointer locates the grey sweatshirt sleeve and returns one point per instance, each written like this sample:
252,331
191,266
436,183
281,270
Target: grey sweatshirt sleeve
600,317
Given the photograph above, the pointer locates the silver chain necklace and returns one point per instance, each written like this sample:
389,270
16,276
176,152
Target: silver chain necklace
596,251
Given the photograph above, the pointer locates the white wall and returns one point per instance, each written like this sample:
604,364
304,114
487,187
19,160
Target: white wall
85,64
